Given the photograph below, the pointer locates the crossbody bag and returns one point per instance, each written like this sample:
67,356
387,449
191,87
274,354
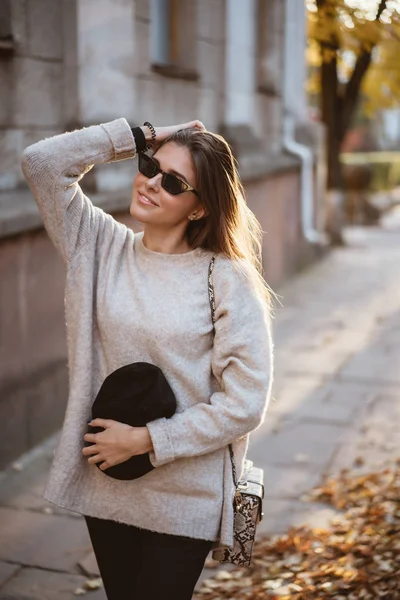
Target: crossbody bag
249,491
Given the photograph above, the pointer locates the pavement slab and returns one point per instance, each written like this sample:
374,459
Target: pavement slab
374,441
38,584
299,442
377,363
288,482
333,401
48,541
7,570
280,514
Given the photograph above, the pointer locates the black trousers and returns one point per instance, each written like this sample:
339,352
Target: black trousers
137,564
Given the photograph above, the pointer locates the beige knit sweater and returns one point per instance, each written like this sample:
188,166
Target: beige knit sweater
126,303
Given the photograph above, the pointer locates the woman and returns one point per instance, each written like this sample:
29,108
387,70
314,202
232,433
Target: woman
143,297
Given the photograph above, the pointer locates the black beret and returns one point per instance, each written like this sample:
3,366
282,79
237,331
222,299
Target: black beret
134,394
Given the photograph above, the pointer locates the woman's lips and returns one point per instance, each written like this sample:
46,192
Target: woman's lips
145,200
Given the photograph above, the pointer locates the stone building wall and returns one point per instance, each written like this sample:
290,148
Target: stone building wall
31,81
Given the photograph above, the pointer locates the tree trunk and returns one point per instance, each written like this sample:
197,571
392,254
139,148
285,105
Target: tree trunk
331,116
337,114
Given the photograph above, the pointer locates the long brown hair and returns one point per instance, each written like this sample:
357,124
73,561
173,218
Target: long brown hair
229,227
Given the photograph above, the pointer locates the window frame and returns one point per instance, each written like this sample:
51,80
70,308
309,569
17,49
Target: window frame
167,42
268,23
7,42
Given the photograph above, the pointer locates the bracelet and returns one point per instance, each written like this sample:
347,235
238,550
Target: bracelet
153,134
140,140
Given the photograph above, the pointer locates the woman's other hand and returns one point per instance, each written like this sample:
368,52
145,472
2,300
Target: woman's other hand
116,444
163,132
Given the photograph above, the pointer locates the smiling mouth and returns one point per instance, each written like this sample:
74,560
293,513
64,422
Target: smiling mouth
145,200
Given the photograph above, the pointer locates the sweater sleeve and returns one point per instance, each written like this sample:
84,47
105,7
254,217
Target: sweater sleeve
242,364
53,168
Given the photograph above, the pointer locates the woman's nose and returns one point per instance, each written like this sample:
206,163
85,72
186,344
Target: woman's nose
154,182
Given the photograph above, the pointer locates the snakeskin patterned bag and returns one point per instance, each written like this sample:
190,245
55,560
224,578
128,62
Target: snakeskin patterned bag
248,495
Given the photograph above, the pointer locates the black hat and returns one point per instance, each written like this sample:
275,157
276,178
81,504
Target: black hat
133,394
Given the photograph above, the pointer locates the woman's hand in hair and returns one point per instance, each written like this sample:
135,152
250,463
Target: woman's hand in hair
116,444
163,132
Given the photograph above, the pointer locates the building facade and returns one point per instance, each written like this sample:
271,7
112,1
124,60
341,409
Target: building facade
237,66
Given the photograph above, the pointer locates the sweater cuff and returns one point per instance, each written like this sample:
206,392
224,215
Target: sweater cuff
121,138
163,450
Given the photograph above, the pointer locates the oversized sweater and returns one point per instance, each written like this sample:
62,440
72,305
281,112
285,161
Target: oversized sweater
127,303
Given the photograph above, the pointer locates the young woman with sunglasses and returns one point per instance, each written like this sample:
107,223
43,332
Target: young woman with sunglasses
144,297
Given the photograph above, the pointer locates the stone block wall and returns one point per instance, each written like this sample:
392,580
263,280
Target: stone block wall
33,376
31,82
275,202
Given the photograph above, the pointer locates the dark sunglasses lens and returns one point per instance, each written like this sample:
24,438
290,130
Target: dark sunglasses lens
146,166
172,184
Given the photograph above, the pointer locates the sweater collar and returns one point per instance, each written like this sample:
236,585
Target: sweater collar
163,256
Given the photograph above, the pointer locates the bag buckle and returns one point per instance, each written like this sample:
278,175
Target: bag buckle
238,500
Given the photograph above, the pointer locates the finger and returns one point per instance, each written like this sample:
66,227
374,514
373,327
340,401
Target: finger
87,450
104,466
95,459
90,437
200,125
101,423
196,124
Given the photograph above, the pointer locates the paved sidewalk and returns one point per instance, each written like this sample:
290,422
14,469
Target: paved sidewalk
336,403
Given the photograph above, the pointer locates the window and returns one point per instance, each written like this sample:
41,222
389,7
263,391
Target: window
173,33
270,46
6,38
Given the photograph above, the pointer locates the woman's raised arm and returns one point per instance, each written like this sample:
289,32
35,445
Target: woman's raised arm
54,166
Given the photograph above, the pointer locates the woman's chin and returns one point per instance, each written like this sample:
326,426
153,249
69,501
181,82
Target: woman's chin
139,215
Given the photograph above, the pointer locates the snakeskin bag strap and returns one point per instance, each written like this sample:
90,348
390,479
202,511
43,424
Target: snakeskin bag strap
212,305
249,492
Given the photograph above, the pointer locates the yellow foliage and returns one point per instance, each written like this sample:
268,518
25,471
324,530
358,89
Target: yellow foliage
313,83
313,54
342,30
328,54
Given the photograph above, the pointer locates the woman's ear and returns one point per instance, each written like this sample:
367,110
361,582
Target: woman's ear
201,212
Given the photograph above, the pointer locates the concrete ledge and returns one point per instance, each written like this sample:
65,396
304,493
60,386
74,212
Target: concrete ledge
255,162
19,213
175,71
262,165
31,408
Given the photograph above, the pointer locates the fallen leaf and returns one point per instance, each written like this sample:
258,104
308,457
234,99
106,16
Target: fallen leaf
93,584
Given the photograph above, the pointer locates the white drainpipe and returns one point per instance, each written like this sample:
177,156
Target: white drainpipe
305,154
295,109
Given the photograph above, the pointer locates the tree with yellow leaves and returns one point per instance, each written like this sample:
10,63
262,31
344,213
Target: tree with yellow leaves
354,52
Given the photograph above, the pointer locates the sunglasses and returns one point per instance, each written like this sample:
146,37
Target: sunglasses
171,183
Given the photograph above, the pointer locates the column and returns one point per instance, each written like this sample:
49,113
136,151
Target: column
240,62
105,55
295,68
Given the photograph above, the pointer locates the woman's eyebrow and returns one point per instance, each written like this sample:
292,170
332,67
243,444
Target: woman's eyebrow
172,171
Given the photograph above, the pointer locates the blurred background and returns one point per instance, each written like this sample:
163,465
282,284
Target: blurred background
308,96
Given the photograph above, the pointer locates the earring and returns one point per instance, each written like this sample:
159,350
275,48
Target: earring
191,218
